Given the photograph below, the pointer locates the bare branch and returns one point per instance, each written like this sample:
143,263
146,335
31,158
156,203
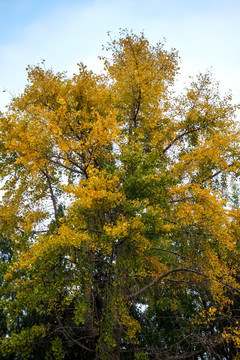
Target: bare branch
179,137
171,252
53,198
56,162
155,281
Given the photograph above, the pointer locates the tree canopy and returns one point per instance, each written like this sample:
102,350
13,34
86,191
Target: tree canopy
120,221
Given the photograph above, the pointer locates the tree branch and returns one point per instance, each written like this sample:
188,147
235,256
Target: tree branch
179,137
53,198
56,162
171,252
155,281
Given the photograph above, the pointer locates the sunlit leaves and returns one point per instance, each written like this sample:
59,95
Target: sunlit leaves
117,208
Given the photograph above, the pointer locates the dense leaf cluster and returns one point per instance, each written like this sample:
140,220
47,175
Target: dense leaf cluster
119,228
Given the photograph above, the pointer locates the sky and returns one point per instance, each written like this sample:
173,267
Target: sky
66,32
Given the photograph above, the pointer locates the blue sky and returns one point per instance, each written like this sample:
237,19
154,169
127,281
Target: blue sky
65,32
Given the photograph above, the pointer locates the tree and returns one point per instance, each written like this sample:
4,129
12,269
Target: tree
117,205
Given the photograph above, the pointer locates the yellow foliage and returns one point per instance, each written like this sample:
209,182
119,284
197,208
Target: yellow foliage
116,194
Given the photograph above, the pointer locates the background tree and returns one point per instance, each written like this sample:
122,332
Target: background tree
124,239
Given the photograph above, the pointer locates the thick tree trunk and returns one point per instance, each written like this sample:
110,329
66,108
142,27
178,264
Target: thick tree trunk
118,336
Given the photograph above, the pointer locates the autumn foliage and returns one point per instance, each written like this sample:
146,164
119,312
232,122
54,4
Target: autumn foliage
119,221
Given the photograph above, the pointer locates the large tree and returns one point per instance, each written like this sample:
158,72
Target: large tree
118,213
